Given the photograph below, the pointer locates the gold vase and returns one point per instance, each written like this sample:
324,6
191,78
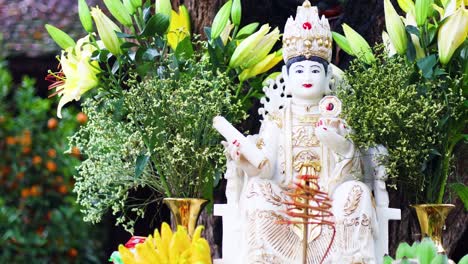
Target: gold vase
432,221
185,211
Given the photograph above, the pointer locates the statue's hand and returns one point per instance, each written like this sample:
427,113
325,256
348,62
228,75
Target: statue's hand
232,152
332,133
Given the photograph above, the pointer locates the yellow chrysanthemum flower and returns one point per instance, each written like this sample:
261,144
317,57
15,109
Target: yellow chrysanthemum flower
169,247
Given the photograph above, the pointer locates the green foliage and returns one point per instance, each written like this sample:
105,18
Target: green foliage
438,46
39,220
387,103
425,252
158,134
105,177
150,118
462,192
175,118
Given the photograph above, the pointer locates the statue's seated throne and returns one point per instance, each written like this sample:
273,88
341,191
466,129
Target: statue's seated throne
374,177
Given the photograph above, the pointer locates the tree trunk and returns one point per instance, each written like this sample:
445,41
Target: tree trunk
202,12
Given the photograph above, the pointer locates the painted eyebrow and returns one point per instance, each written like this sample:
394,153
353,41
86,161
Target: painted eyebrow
297,66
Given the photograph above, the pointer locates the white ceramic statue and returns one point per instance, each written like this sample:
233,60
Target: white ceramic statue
301,133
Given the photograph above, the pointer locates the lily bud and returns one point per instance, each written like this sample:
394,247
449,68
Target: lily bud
164,7
61,38
389,48
221,19
129,6
359,45
411,21
179,27
107,31
262,49
450,8
118,10
136,3
406,5
395,28
236,12
452,34
342,42
263,66
422,10
244,50
85,16
226,32
248,29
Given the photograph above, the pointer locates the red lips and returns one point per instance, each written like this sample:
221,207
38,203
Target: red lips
307,85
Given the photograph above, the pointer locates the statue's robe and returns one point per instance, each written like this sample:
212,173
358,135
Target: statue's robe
288,139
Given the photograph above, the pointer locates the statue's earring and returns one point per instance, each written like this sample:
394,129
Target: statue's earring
284,73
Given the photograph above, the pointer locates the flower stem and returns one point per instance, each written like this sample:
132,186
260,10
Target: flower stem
444,174
446,165
239,88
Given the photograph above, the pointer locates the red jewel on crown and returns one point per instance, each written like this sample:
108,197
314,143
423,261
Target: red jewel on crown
330,107
307,26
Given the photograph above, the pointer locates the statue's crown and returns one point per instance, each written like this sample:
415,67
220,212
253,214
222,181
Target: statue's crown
307,35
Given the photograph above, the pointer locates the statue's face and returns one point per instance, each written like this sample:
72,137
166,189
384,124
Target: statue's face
307,80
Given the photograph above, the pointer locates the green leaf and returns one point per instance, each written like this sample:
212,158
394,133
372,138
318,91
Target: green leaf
412,30
426,251
343,43
147,13
207,31
440,259
149,55
127,45
387,259
142,69
104,55
431,33
404,250
157,24
140,164
184,49
411,50
462,192
124,35
139,54
464,260
61,38
101,55
426,65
